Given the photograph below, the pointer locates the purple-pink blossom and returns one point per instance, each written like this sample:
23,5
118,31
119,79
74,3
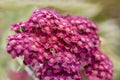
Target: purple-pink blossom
23,75
58,47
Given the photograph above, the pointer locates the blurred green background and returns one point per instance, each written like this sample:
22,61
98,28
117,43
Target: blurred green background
105,13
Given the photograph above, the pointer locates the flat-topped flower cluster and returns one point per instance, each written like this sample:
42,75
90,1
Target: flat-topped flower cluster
60,47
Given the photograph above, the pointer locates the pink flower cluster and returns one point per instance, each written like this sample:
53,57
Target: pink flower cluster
23,75
59,47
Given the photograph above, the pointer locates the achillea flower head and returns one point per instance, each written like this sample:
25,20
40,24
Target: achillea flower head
57,47
23,75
